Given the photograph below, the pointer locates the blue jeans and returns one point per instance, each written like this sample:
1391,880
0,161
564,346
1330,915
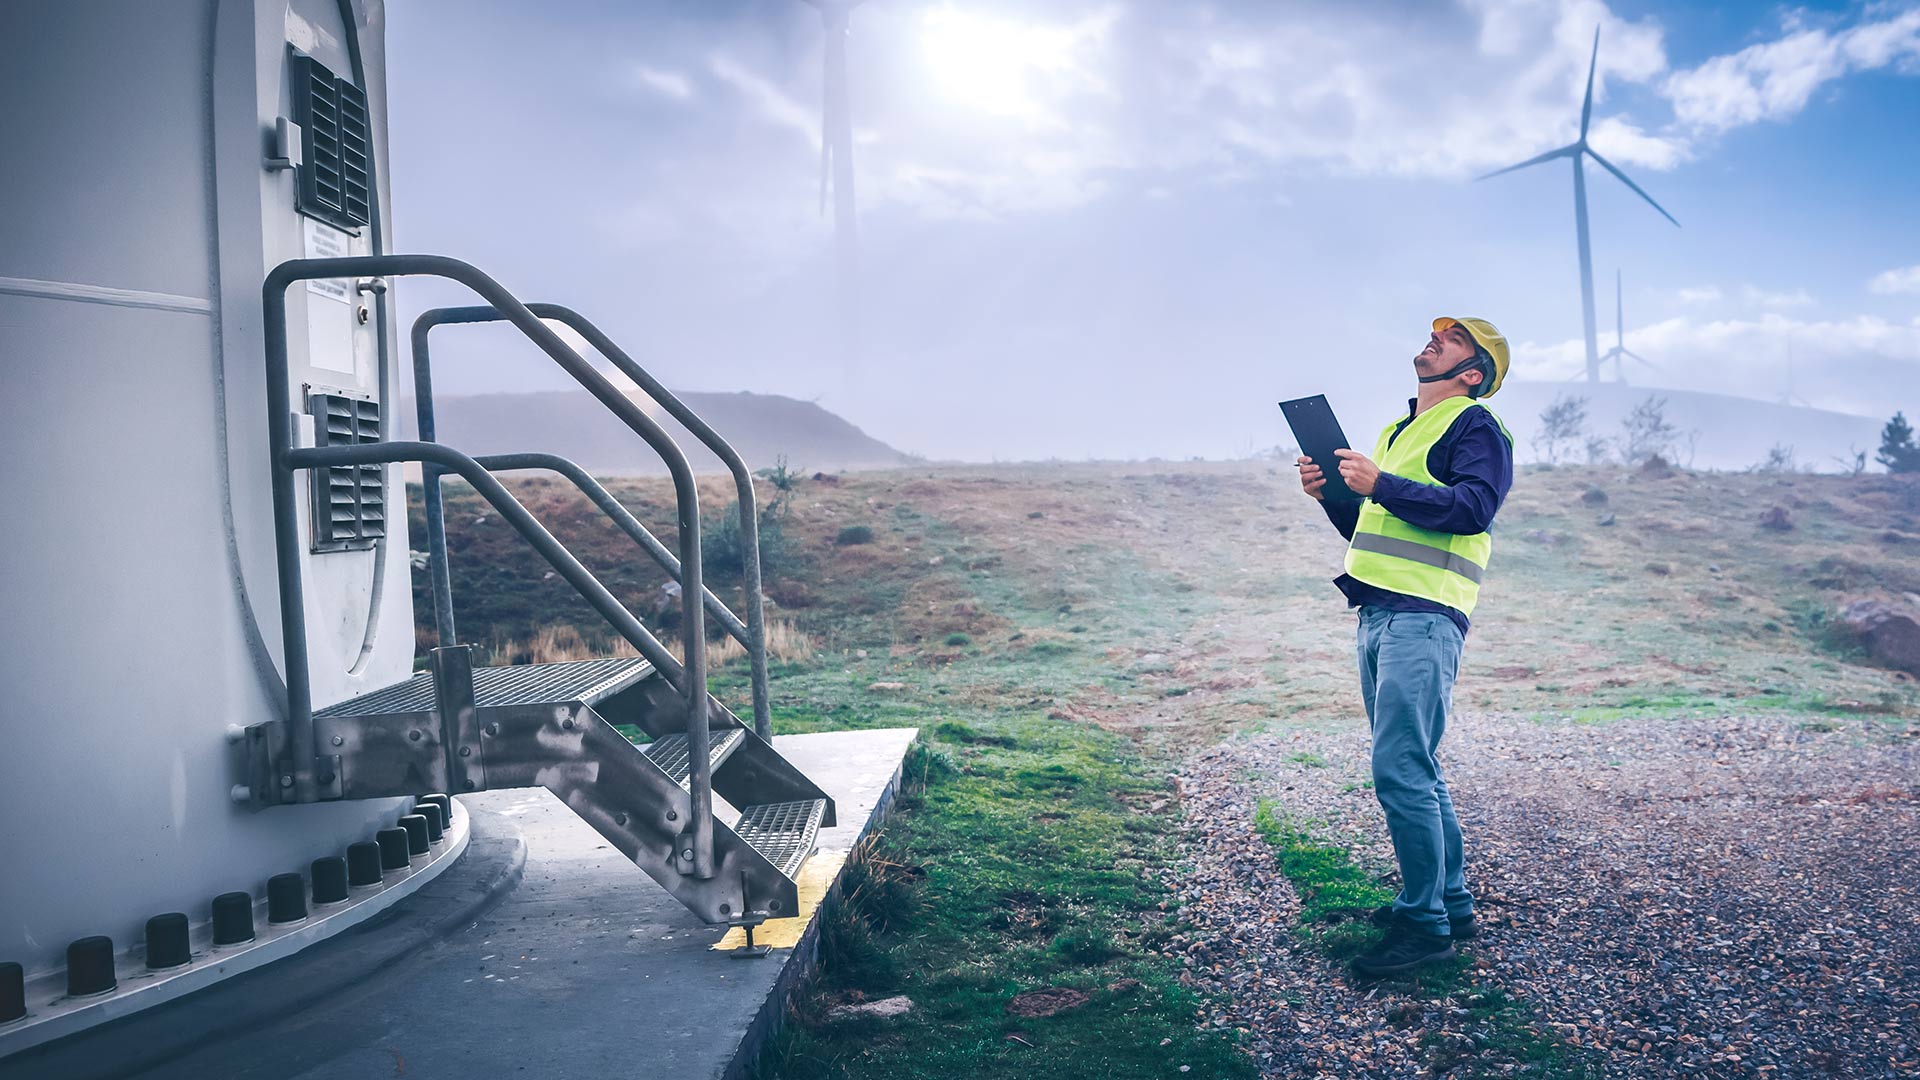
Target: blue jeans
1408,661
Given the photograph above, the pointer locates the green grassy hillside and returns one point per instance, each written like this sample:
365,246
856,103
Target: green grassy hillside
1212,581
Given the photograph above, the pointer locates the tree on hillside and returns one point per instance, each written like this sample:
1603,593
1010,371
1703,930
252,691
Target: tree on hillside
1561,424
1780,459
1646,432
1898,452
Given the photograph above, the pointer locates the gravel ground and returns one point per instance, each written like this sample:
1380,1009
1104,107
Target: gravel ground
1726,897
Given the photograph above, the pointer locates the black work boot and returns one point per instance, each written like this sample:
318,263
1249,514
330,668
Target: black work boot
1403,949
1464,928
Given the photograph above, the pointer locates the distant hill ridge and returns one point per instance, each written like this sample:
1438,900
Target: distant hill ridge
1727,432
571,423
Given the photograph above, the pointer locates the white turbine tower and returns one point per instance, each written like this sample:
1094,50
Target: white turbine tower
836,174
1577,150
1620,354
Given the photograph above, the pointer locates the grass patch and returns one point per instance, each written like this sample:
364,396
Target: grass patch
1335,895
1018,862
1331,886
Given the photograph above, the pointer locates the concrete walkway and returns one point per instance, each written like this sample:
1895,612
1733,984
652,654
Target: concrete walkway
581,966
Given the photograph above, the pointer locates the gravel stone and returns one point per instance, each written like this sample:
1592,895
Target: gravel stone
1728,897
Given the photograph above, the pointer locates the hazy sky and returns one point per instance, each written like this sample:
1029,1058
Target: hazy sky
1121,228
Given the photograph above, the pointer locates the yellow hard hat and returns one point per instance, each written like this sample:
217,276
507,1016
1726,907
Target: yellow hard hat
1489,338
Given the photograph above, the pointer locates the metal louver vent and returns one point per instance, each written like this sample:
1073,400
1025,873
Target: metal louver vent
349,501
336,173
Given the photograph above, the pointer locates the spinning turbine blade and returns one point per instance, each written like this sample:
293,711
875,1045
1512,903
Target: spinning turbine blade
1586,106
1565,151
826,106
1608,165
1631,355
1619,316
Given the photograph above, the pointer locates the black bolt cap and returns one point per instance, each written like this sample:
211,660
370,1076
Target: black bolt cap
286,898
232,918
436,824
444,802
417,838
13,992
167,945
393,848
90,966
363,864
330,879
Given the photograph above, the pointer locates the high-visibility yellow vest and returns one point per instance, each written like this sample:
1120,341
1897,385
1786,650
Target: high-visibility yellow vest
1388,553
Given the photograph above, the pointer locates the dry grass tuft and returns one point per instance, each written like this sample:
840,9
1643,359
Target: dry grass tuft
786,644
554,644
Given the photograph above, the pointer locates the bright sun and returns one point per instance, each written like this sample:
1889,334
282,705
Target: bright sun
1001,66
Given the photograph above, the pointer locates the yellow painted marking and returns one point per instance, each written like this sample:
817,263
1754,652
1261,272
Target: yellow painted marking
815,878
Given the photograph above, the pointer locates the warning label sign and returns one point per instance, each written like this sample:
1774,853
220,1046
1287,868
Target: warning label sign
326,242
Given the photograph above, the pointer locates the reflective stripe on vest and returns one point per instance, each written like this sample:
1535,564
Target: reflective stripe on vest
1389,553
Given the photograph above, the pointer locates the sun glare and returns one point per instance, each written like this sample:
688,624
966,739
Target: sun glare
1002,66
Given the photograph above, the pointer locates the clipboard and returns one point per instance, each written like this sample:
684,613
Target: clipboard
1318,432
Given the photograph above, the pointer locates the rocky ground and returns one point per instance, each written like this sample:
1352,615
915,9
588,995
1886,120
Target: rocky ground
1699,897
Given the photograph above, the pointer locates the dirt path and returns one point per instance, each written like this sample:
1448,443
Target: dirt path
1726,897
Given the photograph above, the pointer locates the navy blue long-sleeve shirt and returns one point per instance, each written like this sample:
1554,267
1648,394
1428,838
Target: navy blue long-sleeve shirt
1473,462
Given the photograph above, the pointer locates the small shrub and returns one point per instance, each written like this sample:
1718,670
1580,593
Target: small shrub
927,763
723,546
958,639
782,478
1084,945
854,534
955,731
1562,425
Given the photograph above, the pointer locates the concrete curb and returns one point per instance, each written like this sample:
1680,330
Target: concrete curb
492,865
778,1007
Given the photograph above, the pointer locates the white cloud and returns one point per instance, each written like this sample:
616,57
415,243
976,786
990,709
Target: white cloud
1891,282
1757,297
669,84
1775,80
990,112
1705,294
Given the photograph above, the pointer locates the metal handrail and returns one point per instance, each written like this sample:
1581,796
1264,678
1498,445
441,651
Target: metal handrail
692,676
622,517
742,476
475,472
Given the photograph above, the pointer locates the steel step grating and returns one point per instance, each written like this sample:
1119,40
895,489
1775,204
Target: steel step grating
783,832
585,681
670,752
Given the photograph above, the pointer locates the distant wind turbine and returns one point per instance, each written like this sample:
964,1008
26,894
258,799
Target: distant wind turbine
1787,396
1619,354
1577,150
836,172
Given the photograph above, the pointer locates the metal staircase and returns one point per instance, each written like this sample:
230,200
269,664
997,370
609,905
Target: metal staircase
726,831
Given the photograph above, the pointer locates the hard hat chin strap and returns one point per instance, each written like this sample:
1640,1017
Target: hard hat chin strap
1478,360
1459,369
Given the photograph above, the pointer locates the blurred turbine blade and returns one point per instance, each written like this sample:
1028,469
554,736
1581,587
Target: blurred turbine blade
1619,316
1631,355
1564,151
1586,106
826,120
824,152
1608,165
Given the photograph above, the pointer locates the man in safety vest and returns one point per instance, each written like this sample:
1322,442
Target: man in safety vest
1418,544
